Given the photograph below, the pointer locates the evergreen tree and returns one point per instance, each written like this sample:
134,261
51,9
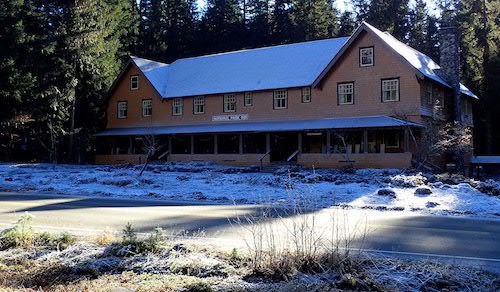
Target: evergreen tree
180,26
313,19
222,25
152,42
259,26
347,24
281,22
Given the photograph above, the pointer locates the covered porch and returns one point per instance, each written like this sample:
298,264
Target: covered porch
382,142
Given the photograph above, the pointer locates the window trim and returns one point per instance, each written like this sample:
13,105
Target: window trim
338,92
194,105
382,89
373,56
250,93
286,99
131,77
181,106
142,107
302,94
118,109
228,95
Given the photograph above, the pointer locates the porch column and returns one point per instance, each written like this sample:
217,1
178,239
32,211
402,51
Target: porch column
268,142
407,140
241,144
365,141
215,144
130,143
192,144
299,142
169,144
328,142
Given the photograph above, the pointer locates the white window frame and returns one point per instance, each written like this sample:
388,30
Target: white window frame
134,82
177,106
229,103
122,109
147,107
248,98
390,85
362,51
345,89
306,94
280,99
198,105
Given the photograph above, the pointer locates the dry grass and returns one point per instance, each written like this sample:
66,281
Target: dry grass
105,238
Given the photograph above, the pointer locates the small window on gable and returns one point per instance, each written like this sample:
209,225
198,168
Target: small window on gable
199,105
280,99
229,103
390,90
306,94
147,107
345,93
134,82
122,109
366,57
248,98
177,107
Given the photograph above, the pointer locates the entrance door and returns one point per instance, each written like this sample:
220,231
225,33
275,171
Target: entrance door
283,145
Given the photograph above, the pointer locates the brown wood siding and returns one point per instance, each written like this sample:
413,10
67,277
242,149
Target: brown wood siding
367,99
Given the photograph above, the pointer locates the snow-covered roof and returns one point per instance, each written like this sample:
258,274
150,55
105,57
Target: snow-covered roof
284,66
423,63
270,126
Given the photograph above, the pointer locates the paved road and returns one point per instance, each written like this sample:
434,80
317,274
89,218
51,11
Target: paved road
404,234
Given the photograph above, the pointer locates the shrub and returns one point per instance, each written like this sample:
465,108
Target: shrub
131,244
55,241
199,287
20,235
105,238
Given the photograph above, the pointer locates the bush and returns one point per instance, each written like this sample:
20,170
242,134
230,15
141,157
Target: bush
20,235
132,245
55,241
199,287
105,238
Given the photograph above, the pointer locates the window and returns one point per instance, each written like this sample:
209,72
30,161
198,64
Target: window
248,98
366,57
428,94
199,105
147,107
122,109
229,103
345,93
306,94
134,82
390,90
177,106
280,99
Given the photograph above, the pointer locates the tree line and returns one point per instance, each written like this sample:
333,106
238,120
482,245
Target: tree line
59,57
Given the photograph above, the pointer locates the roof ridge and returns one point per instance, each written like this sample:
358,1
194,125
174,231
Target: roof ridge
258,48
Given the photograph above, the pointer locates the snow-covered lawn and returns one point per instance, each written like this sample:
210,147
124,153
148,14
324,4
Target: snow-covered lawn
228,185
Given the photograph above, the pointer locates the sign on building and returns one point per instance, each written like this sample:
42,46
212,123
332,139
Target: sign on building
229,118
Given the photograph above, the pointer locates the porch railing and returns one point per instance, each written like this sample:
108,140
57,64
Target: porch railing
292,156
262,158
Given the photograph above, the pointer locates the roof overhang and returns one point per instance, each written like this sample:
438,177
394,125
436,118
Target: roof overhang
270,126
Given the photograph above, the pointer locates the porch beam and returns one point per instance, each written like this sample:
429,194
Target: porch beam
328,142
216,150
365,141
406,140
268,142
192,143
299,142
240,143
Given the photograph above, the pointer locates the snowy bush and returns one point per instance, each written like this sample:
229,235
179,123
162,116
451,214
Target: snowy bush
489,187
408,181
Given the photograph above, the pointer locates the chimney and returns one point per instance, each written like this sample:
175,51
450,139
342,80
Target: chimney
449,59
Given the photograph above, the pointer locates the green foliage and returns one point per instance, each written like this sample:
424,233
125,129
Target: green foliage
131,244
55,241
20,235
199,287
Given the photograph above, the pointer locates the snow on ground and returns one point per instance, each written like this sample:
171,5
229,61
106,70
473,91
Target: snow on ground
228,185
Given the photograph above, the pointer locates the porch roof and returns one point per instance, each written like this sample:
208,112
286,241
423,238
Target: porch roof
270,126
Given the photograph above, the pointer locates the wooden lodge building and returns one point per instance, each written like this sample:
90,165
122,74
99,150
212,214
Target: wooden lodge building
325,103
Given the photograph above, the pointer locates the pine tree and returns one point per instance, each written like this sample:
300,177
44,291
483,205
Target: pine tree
281,22
180,25
314,19
347,24
259,25
222,25
152,41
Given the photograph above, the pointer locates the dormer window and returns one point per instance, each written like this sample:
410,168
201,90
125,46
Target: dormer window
134,82
366,57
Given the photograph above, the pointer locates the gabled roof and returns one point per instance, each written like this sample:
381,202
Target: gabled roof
284,66
270,126
421,62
